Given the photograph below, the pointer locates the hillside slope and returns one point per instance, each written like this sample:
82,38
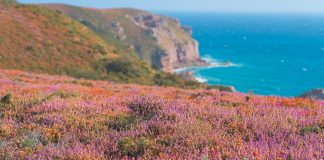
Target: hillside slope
41,40
158,40
52,117
37,39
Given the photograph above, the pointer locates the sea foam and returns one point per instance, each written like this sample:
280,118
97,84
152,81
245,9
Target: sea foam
214,63
201,79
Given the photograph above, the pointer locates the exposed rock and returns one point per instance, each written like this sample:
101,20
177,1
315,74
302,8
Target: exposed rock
178,51
118,31
187,76
187,29
316,94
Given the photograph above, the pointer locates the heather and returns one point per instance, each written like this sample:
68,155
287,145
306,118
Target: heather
52,117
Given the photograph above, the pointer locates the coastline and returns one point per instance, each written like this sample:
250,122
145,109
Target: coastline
210,63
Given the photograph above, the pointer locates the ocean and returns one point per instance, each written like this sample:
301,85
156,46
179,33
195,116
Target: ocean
267,54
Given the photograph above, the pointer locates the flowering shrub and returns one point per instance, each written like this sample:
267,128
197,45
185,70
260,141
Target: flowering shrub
146,107
53,117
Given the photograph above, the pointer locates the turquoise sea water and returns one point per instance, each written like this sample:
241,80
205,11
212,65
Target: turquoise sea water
269,54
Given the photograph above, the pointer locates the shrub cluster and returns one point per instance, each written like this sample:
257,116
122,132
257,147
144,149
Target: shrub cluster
146,107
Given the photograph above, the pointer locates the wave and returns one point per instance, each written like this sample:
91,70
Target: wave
218,63
201,79
214,63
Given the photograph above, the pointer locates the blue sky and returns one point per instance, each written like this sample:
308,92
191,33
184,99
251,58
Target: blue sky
303,6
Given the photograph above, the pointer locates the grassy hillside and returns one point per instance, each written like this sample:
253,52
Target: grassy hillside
51,117
100,21
33,38
41,40
107,23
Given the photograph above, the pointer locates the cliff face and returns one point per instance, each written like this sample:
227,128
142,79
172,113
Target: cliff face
160,41
179,49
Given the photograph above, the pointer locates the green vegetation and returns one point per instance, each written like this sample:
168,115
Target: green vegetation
8,2
134,147
311,129
221,88
168,79
127,71
29,142
122,122
7,99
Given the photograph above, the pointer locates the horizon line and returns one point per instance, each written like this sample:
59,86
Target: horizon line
185,10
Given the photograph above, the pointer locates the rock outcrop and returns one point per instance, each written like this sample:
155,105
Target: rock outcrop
188,30
118,31
179,49
189,76
316,94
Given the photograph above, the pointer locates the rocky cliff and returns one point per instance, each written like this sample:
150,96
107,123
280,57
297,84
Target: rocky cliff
158,40
179,49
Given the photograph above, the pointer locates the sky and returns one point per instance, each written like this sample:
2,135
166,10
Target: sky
272,6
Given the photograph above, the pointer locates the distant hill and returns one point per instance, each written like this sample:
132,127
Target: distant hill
33,38
158,40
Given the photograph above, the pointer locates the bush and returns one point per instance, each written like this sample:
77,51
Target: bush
159,128
7,99
126,68
221,88
146,107
167,79
194,84
127,147
132,147
65,95
122,122
310,129
29,143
